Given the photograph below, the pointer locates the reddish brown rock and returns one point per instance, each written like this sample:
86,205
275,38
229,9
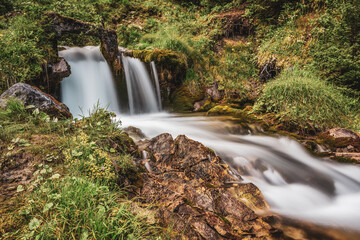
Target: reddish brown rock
197,194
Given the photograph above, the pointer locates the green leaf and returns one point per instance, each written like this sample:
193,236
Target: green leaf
112,150
29,106
47,207
76,153
34,223
55,176
20,188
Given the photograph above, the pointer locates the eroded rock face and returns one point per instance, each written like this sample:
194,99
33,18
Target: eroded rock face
33,96
198,195
65,25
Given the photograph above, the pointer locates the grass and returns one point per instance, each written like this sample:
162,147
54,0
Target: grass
78,208
73,193
303,98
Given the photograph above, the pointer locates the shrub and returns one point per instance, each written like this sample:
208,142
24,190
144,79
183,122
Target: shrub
304,99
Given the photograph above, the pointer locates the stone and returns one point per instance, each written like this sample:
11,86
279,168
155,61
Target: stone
213,92
196,193
109,46
30,95
60,69
343,133
134,132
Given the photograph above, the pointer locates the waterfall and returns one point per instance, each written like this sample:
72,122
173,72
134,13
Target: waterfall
90,82
157,85
142,95
294,183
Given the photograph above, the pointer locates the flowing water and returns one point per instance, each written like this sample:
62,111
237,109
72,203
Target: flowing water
294,183
90,82
141,93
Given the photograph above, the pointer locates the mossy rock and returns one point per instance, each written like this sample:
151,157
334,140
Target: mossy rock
334,143
183,99
174,63
207,105
221,110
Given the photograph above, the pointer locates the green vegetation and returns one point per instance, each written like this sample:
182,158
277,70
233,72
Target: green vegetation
306,101
76,207
73,192
229,42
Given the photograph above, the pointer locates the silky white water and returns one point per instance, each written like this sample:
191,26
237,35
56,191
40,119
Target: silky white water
141,91
90,82
293,182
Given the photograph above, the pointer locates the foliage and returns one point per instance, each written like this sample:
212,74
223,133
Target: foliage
78,199
75,207
337,53
304,99
24,48
237,65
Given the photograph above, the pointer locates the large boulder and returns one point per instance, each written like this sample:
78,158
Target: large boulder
198,195
30,95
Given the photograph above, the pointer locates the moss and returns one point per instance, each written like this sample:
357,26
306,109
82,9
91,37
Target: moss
174,63
344,160
207,105
333,143
227,110
183,99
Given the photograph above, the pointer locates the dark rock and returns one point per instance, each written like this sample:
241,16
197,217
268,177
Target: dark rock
268,70
64,25
60,69
52,75
29,95
196,193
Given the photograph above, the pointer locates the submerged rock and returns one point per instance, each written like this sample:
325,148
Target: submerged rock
29,95
198,195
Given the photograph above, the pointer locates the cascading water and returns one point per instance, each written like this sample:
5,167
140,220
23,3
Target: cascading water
142,95
293,182
157,85
90,82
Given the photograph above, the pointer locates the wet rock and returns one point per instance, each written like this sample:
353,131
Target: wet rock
29,95
134,132
198,195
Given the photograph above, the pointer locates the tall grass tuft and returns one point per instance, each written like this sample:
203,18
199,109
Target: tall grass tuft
304,99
